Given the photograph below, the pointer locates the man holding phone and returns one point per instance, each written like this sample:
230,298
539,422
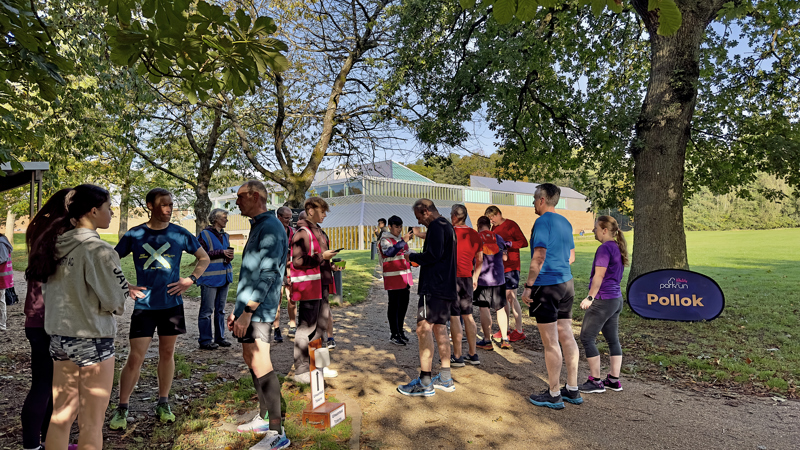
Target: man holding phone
311,277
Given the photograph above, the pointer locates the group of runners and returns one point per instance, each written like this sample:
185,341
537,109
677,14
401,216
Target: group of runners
461,268
76,286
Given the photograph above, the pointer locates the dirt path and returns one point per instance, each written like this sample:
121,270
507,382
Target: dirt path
489,408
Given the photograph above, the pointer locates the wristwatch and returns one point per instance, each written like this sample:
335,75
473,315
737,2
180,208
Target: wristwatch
193,278
248,310
590,298
528,287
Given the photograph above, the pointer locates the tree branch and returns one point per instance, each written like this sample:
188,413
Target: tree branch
161,168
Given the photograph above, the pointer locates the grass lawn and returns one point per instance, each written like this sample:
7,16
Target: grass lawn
356,278
754,343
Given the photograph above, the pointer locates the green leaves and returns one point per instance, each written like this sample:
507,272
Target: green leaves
669,16
206,48
31,70
504,11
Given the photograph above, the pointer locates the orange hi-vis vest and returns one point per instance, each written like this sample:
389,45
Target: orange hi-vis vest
307,283
396,271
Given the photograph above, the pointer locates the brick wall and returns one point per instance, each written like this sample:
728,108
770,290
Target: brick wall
525,216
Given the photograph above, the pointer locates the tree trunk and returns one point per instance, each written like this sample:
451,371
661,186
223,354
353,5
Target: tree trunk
11,219
202,204
296,193
662,133
124,207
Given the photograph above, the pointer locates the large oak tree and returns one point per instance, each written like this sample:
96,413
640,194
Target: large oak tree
652,109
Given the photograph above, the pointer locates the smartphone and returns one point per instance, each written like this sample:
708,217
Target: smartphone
339,249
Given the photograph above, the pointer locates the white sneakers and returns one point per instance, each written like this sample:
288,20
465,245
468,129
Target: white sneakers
305,378
257,425
273,441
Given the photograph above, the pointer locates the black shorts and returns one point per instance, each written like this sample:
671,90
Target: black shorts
464,303
257,330
512,280
493,297
169,322
553,302
434,310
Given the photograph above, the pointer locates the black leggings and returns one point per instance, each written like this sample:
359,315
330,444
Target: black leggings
398,306
602,315
39,403
312,321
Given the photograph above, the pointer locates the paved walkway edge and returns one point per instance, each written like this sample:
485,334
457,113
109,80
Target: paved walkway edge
354,411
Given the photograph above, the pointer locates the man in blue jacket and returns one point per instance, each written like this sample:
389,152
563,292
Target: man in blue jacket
258,298
437,292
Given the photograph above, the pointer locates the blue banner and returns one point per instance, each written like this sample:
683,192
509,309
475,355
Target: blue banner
672,294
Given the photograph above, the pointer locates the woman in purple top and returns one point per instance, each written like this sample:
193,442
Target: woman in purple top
603,305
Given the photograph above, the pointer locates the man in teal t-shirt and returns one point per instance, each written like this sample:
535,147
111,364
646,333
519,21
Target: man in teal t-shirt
156,247
550,297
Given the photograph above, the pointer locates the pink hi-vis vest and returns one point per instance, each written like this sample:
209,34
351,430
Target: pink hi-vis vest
307,283
396,271
6,276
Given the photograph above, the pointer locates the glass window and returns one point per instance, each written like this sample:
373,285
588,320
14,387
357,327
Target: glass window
336,190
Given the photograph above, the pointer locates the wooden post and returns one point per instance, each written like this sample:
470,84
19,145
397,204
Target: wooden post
319,413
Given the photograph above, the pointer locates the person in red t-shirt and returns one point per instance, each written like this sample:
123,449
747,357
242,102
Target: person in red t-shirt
469,258
511,233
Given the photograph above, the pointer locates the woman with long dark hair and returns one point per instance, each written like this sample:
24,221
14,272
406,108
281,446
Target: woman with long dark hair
83,288
603,305
39,403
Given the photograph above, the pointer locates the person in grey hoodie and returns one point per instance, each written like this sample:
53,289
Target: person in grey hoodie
83,288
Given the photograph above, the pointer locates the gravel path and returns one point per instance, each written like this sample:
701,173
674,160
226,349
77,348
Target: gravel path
489,408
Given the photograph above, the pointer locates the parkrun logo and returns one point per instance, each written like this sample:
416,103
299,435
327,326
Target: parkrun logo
679,295
675,283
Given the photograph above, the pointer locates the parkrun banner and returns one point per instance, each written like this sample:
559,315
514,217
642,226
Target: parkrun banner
672,294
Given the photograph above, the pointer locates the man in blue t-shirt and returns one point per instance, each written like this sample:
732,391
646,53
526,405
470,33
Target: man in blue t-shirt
550,296
157,247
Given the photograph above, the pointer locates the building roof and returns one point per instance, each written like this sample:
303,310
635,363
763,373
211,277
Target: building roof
519,187
349,211
14,179
383,169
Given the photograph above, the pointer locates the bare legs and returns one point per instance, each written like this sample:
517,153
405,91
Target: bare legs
81,392
425,332
456,333
513,305
133,366
486,322
553,334
594,366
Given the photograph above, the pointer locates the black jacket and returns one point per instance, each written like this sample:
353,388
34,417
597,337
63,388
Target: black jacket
437,273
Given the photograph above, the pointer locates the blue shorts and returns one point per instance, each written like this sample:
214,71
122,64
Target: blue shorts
512,280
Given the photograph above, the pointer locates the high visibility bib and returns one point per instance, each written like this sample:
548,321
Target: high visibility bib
396,271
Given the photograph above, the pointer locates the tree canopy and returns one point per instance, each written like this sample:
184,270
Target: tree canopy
656,115
198,43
